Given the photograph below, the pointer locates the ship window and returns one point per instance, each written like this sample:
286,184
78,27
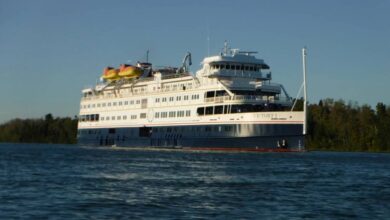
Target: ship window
120,103
180,114
131,102
157,100
233,67
172,114
142,115
222,66
251,68
107,118
186,97
157,114
133,116
225,111
114,104
113,118
178,98
124,117
163,114
98,105
200,111
188,113
164,99
109,104
118,117
209,110
218,109
228,67
138,102
126,102
246,68
217,66
171,99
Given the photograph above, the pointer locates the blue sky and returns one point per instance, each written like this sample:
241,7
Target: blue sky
50,50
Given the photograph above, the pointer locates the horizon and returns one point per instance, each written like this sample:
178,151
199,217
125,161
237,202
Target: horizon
52,50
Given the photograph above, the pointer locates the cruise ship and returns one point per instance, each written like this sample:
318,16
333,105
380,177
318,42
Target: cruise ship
230,103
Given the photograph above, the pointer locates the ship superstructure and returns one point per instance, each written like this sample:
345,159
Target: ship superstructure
230,103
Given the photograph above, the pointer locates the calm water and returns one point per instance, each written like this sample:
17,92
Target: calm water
65,181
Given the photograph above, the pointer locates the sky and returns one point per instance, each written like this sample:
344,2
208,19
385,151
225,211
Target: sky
50,49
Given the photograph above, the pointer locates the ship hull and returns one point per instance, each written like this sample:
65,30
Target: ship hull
238,137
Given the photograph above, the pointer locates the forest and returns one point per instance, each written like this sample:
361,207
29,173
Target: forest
340,126
332,126
43,130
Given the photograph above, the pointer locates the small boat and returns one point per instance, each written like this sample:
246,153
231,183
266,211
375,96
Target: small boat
110,73
128,71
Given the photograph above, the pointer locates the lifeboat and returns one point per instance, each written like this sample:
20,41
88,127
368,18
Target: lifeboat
128,71
110,73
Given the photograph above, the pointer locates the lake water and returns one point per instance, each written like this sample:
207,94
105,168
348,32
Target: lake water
72,182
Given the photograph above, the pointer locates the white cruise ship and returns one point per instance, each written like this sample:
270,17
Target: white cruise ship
230,103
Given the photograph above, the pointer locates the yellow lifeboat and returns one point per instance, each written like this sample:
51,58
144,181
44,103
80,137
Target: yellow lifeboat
128,71
110,73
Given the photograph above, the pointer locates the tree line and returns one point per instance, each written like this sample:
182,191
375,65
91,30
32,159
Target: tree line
336,125
44,130
332,125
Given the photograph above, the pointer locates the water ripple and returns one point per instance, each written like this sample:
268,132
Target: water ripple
71,182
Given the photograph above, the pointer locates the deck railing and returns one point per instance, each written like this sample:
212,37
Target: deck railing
222,99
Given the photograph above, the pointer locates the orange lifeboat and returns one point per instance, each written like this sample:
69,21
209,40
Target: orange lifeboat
129,72
110,73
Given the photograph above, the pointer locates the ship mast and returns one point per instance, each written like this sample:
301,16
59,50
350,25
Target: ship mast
304,91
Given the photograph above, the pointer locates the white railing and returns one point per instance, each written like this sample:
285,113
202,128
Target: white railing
221,99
